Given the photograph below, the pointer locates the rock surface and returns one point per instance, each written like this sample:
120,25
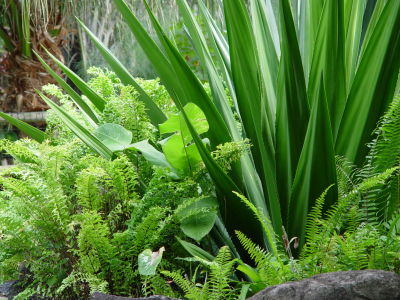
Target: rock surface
351,285
9,289
100,296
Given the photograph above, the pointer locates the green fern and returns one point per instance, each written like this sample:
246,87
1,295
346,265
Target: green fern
265,223
220,272
19,151
314,222
326,249
218,284
257,254
346,176
230,152
384,154
87,188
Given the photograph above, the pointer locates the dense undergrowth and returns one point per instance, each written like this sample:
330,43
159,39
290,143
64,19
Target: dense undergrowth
264,172
80,223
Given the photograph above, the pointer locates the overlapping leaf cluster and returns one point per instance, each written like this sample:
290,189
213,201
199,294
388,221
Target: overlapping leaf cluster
80,222
307,80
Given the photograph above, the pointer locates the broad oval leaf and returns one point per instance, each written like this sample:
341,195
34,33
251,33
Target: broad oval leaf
177,123
198,218
114,136
148,261
151,154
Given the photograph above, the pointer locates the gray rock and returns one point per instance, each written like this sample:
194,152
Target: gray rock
100,296
9,289
350,285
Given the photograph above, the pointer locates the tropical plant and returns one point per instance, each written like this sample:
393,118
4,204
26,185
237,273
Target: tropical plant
342,239
90,222
304,84
304,93
219,284
25,26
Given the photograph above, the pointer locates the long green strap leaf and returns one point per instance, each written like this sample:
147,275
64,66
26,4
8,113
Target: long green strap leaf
81,132
372,15
229,202
251,99
192,87
309,18
180,81
154,112
83,106
29,130
328,59
247,172
217,87
196,251
353,20
221,48
293,110
217,35
268,57
153,52
316,169
373,86
96,99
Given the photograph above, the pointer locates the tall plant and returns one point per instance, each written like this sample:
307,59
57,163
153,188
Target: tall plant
305,85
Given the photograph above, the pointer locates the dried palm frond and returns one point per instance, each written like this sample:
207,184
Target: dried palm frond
26,26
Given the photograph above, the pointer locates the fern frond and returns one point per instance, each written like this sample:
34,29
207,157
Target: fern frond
124,178
265,223
221,271
230,152
346,174
384,154
148,231
20,152
88,189
257,254
186,286
314,222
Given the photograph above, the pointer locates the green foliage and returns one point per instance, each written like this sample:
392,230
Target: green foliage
197,216
79,221
148,261
385,153
340,239
218,284
179,148
334,74
231,152
114,136
343,239
98,217
333,78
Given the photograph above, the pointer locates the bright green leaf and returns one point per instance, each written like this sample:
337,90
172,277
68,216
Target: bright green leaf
148,261
114,136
